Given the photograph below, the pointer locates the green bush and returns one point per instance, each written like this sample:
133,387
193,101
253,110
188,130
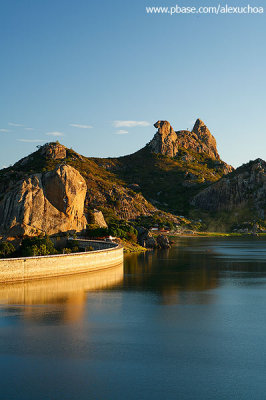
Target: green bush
117,228
6,249
123,230
37,246
89,248
75,249
95,231
67,250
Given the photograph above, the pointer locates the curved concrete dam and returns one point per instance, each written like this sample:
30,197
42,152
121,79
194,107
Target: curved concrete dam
107,255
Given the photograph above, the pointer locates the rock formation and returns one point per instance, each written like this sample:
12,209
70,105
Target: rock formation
48,203
128,187
163,242
145,238
246,186
166,141
55,151
96,218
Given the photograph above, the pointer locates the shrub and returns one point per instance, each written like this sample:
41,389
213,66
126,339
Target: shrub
75,249
89,248
6,249
123,230
66,250
37,246
95,231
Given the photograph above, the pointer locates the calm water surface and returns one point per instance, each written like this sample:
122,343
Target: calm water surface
188,323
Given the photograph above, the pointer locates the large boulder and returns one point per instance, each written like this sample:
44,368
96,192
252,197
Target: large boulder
50,203
96,218
145,238
163,242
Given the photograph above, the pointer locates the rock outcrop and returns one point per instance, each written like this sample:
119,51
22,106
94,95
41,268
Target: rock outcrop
168,142
54,151
96,218
199,140
145,238
246,186
206,140
48,203
165,140
163,242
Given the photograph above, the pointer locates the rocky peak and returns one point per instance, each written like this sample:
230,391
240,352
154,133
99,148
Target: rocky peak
54,151
205,136
246,186
164,140
200,129
168,142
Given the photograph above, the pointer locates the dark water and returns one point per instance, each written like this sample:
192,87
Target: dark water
189,323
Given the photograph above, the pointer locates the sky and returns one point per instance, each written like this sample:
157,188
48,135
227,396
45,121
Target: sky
96,75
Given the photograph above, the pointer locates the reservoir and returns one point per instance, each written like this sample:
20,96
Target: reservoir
185,323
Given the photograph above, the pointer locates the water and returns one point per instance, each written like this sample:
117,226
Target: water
188,323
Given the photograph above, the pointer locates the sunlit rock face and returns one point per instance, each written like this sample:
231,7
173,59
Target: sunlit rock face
48,203
96,218
168,142
54,151
164,140
206,140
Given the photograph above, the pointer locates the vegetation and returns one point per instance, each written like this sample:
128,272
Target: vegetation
156,220
37,246
117,228
6,249
227,220
165,182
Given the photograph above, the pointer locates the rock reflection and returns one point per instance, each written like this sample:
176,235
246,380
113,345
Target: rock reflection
172,274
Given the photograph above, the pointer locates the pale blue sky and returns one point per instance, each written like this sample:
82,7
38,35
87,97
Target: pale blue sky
95,62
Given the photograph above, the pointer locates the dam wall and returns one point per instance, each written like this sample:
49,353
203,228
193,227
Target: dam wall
108,254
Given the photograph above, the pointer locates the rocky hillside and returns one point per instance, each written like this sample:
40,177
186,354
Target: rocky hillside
245,188
172,167
55,188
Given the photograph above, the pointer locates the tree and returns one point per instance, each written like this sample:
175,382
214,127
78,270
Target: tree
37,246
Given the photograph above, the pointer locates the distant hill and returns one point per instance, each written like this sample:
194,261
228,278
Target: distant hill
239,198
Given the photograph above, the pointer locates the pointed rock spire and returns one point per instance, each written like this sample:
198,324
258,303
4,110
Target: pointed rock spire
205,136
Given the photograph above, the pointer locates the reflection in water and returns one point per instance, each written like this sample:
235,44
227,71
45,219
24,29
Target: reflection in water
185,323
70,290
170,274
186,273
194,267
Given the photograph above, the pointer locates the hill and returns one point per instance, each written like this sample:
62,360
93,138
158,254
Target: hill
157,183
237,201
